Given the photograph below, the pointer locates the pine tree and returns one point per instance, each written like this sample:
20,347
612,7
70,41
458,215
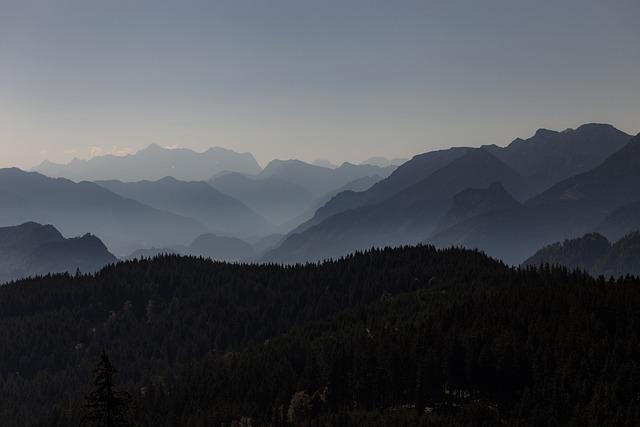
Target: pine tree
104,406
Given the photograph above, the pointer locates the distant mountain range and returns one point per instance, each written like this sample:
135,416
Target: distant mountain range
508,201
405,216
592,171
154,163
32,249
595,254
77,208
583,203
550,156
383,161
219,248
220,213
286,189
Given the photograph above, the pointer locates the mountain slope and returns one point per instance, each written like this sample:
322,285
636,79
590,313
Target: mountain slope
395,337
404,176
360,184
286,189
153,163
473,202
75,208
582,253
198,200
383,161
594,253
623,258
568,209
32,249
320,180
275,199
407,217
621,221
549,156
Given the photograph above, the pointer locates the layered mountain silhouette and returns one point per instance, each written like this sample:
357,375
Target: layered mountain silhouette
360,184
275,199
75,208
219,212
383,161
550,156
407,215
220,248
33,249
474,202
595,254
411,172
324,163
621,220
417,201
286,189
320,180
568,209
154,163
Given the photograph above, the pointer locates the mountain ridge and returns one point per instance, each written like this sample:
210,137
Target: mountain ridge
32,249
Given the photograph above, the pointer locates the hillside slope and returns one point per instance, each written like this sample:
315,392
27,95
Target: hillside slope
77,208
32,249
407,336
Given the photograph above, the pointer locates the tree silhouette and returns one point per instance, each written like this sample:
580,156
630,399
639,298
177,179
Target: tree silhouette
104,406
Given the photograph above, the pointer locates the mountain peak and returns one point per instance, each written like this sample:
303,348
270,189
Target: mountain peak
545,133
154,147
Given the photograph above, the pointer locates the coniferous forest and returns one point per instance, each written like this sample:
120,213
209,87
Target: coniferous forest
410,336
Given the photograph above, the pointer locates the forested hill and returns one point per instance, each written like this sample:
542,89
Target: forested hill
407,336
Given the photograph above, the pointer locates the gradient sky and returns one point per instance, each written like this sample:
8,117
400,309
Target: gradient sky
336,79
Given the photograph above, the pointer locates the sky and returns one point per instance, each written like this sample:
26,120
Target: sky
342,80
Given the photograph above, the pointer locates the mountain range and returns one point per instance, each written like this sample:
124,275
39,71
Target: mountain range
198,200
577,205
423,199
551,156
77,208
154,163
402,218
507,201
33,249
286,189
218,248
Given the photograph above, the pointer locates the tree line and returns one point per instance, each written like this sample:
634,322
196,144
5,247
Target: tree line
404,336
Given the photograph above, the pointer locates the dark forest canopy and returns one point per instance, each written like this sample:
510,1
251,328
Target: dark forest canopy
406,336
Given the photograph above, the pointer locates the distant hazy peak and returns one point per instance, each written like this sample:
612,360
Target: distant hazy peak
155,162
383,161
324,163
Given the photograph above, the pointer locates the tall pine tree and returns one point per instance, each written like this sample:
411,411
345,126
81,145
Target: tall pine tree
104,406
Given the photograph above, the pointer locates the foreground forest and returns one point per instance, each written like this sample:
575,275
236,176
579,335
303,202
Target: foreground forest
407,336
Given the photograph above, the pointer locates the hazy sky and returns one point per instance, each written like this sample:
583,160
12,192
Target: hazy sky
336,79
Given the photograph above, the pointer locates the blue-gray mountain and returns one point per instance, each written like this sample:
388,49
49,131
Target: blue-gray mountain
76,208
217,248
583,203
153,163
222,214
401,209
286,189
414,203
33,249
550,156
